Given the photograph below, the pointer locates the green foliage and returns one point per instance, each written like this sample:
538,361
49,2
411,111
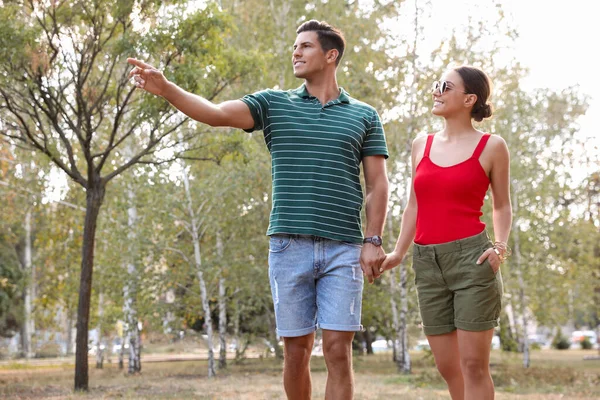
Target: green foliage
223,53
560,342
586,344
507,341
11,284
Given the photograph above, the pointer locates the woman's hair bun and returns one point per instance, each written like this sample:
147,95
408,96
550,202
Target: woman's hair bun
481,112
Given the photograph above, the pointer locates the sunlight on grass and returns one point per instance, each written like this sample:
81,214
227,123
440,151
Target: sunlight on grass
553,375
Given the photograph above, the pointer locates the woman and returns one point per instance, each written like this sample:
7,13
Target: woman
457,267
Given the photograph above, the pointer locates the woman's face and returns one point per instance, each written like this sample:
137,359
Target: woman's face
453,100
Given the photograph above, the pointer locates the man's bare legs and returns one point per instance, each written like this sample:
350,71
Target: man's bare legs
337,349
296,366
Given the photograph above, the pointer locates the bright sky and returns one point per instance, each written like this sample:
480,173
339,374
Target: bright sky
558,42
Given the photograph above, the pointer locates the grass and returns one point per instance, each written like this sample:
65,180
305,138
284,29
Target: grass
553,375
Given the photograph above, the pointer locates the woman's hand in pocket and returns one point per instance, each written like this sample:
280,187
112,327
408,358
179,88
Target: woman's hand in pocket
492,258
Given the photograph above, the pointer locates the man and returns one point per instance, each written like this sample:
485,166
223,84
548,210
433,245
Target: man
317,136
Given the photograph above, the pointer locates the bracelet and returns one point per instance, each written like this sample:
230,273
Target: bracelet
500,256
506,250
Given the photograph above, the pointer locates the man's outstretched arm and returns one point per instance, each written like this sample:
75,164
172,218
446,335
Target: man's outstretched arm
233,113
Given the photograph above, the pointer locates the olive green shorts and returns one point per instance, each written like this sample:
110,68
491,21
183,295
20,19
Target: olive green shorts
453,291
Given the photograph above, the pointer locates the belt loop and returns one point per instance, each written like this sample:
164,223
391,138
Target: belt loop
417,250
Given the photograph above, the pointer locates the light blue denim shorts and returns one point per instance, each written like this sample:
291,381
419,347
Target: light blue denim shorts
315,283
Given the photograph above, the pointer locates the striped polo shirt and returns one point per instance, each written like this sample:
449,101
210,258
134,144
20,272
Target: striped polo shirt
316,152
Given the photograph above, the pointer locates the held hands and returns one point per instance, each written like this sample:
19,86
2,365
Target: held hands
371,257
147,77
392,260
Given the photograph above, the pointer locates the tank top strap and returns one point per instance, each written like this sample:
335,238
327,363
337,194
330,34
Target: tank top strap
480,146
428,145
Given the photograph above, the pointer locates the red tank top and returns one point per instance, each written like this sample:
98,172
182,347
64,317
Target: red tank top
449,199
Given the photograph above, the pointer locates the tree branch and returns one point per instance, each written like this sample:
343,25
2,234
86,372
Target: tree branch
181,253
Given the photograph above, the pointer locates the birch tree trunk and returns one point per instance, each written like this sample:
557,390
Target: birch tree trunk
400,322
122,350
70,338
404,356
519,273
393,294
130,290
28,323
222,306
241,343
195,232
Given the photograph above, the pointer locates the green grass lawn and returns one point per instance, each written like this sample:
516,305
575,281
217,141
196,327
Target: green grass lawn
553,375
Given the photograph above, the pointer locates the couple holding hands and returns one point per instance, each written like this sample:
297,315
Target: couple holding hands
318,135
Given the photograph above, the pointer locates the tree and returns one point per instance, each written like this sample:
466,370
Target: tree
65,94
11,277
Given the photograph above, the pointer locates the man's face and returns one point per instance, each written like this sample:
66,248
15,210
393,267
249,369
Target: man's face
308,57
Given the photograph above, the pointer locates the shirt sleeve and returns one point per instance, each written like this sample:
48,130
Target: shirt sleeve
375,144
258,103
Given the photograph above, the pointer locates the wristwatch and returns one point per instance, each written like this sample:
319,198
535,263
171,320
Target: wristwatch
374,240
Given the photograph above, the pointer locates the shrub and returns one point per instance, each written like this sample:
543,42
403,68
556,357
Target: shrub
560,342
507,340
586,344
535,346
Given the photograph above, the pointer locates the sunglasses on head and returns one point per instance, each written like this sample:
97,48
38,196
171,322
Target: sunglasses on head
442,86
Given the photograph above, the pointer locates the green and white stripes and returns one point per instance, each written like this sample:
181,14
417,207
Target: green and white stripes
316,152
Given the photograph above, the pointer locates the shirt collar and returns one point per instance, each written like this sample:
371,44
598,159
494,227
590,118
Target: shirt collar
344,97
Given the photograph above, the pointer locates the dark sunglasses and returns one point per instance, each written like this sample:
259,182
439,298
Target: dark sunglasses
442,86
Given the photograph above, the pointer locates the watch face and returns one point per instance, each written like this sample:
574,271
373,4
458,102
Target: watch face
375,240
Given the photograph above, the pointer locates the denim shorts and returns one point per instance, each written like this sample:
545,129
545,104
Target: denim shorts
315,283
455,292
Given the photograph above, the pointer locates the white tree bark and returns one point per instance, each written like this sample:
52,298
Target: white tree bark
393,294
222,306
195,232
130,290
28,323
520,280
402,356
70,336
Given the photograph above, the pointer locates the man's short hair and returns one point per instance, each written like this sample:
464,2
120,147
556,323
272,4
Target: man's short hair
329,37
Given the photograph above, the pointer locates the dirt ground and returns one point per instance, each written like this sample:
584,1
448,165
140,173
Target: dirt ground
554,376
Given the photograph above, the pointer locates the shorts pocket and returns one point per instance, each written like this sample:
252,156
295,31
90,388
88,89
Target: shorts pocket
422,267
278,243
486,262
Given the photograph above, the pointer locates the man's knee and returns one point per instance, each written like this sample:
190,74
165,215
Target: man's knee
338,350
298,349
